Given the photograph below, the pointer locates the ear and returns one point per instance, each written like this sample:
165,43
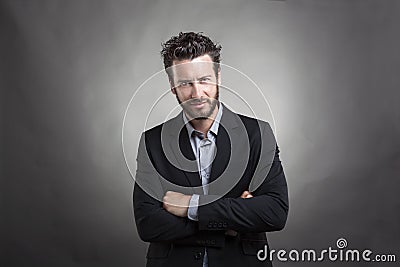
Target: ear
173,90
219,76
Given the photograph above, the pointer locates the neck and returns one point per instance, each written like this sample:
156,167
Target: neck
204,125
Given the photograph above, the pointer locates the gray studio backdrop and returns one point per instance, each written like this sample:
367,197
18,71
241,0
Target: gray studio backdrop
330,70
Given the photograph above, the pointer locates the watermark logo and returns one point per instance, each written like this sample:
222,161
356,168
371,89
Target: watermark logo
341,243
340,253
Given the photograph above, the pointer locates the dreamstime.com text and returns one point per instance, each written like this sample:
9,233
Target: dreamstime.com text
331,254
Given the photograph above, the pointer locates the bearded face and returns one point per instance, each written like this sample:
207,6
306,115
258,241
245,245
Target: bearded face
196,86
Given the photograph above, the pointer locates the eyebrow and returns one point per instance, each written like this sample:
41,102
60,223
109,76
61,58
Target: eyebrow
180,81
206,76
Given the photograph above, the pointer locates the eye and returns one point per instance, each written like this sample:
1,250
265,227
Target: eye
184,84
204,80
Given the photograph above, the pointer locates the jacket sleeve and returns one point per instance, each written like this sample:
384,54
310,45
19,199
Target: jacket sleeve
266,211
153,222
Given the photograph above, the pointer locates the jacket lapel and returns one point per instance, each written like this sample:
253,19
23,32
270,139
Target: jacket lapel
180,153
187,151
232,154
222,157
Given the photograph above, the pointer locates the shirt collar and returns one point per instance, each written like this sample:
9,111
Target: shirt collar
214,127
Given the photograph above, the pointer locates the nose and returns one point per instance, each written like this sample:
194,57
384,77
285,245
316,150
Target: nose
196,90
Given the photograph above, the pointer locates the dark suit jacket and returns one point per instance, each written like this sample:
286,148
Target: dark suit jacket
247,159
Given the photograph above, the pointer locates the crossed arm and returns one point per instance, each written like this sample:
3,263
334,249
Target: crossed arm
166,219
177,203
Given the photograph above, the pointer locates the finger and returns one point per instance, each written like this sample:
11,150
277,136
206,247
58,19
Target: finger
245,194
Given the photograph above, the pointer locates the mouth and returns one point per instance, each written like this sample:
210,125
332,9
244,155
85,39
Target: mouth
198,104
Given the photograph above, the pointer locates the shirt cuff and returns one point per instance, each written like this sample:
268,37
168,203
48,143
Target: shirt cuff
193,207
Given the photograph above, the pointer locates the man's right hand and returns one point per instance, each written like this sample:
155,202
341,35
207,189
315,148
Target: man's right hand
246,194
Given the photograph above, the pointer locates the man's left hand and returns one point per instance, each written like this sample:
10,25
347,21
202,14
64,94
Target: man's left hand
176,203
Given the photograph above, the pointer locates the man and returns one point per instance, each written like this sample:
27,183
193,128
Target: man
209,182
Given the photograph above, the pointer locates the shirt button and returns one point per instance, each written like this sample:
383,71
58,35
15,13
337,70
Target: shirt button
197,255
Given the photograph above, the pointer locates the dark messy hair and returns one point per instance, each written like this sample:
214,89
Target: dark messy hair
189,45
